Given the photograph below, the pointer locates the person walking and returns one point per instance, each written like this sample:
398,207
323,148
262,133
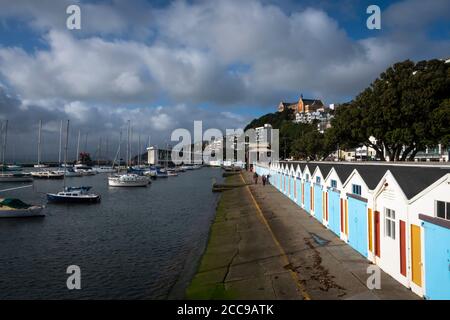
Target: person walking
264,180
255,178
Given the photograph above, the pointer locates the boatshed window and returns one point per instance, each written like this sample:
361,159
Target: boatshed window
356,189
333,183
317,179
443,210
390,223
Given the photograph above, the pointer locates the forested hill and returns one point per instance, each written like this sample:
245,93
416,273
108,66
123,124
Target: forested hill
276,119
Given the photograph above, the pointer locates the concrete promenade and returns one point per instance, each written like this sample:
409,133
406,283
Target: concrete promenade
263,246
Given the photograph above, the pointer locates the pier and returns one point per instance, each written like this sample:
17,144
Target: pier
263,246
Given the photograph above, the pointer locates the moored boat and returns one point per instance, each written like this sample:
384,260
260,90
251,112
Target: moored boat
15,208
15,177
48,174
128,180
74,195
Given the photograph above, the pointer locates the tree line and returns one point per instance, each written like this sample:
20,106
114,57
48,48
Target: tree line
405,110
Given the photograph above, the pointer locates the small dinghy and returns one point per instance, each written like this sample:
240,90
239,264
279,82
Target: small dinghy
15,208
74,195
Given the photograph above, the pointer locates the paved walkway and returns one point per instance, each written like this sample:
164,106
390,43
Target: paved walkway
263,246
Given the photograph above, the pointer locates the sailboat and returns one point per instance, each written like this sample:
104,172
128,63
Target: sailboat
72,194
39,164
16,208
11,176
128,179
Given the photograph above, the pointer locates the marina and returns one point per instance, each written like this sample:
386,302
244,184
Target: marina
138,243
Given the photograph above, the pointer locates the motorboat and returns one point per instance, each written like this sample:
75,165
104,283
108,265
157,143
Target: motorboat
161,173
84,170
128,180
151,172
15,208
48,174
15,177
69,172
74,195
171,173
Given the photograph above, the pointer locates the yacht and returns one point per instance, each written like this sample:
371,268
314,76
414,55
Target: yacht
69,172
171,173
48,174
15,177
15,208
104,169
128,180
74,195
84,170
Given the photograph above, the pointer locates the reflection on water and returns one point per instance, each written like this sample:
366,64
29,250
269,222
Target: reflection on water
138,243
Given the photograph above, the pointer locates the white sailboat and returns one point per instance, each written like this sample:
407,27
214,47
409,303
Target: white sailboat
16,208
72,194
128,179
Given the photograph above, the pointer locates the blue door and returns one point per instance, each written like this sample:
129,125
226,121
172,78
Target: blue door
308,197
437,262
318,208
334,211
299,192
291,181
357,225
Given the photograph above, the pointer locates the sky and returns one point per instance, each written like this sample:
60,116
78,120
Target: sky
164,64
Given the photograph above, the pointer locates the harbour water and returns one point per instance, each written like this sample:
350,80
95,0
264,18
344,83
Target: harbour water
138,243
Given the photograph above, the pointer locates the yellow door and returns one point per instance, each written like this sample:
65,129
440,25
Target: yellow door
416,255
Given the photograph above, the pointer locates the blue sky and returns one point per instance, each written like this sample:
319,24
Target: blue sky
164,64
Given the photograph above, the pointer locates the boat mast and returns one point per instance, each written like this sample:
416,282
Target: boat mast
99,151
65,152
39,142
60,142
139,151
4,145
78,146
128,144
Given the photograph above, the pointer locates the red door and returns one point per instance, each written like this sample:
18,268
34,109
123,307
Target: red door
403,248
377,234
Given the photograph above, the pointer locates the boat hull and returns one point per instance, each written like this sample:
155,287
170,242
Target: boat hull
54,198
35,211
118,183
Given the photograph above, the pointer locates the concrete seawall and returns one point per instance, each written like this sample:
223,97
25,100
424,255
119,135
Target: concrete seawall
262,246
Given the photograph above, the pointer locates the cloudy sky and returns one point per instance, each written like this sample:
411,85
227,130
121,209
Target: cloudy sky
164,64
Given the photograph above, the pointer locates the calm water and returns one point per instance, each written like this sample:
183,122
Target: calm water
138,243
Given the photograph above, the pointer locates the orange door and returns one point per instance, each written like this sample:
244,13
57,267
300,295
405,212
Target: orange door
370,226
416,255
377,234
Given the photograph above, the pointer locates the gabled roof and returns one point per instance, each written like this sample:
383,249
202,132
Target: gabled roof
413,180
312,101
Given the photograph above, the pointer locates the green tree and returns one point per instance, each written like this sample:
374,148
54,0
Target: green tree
406,109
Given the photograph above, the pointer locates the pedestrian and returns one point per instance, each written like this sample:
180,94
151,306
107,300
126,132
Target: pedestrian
264,180
255,178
